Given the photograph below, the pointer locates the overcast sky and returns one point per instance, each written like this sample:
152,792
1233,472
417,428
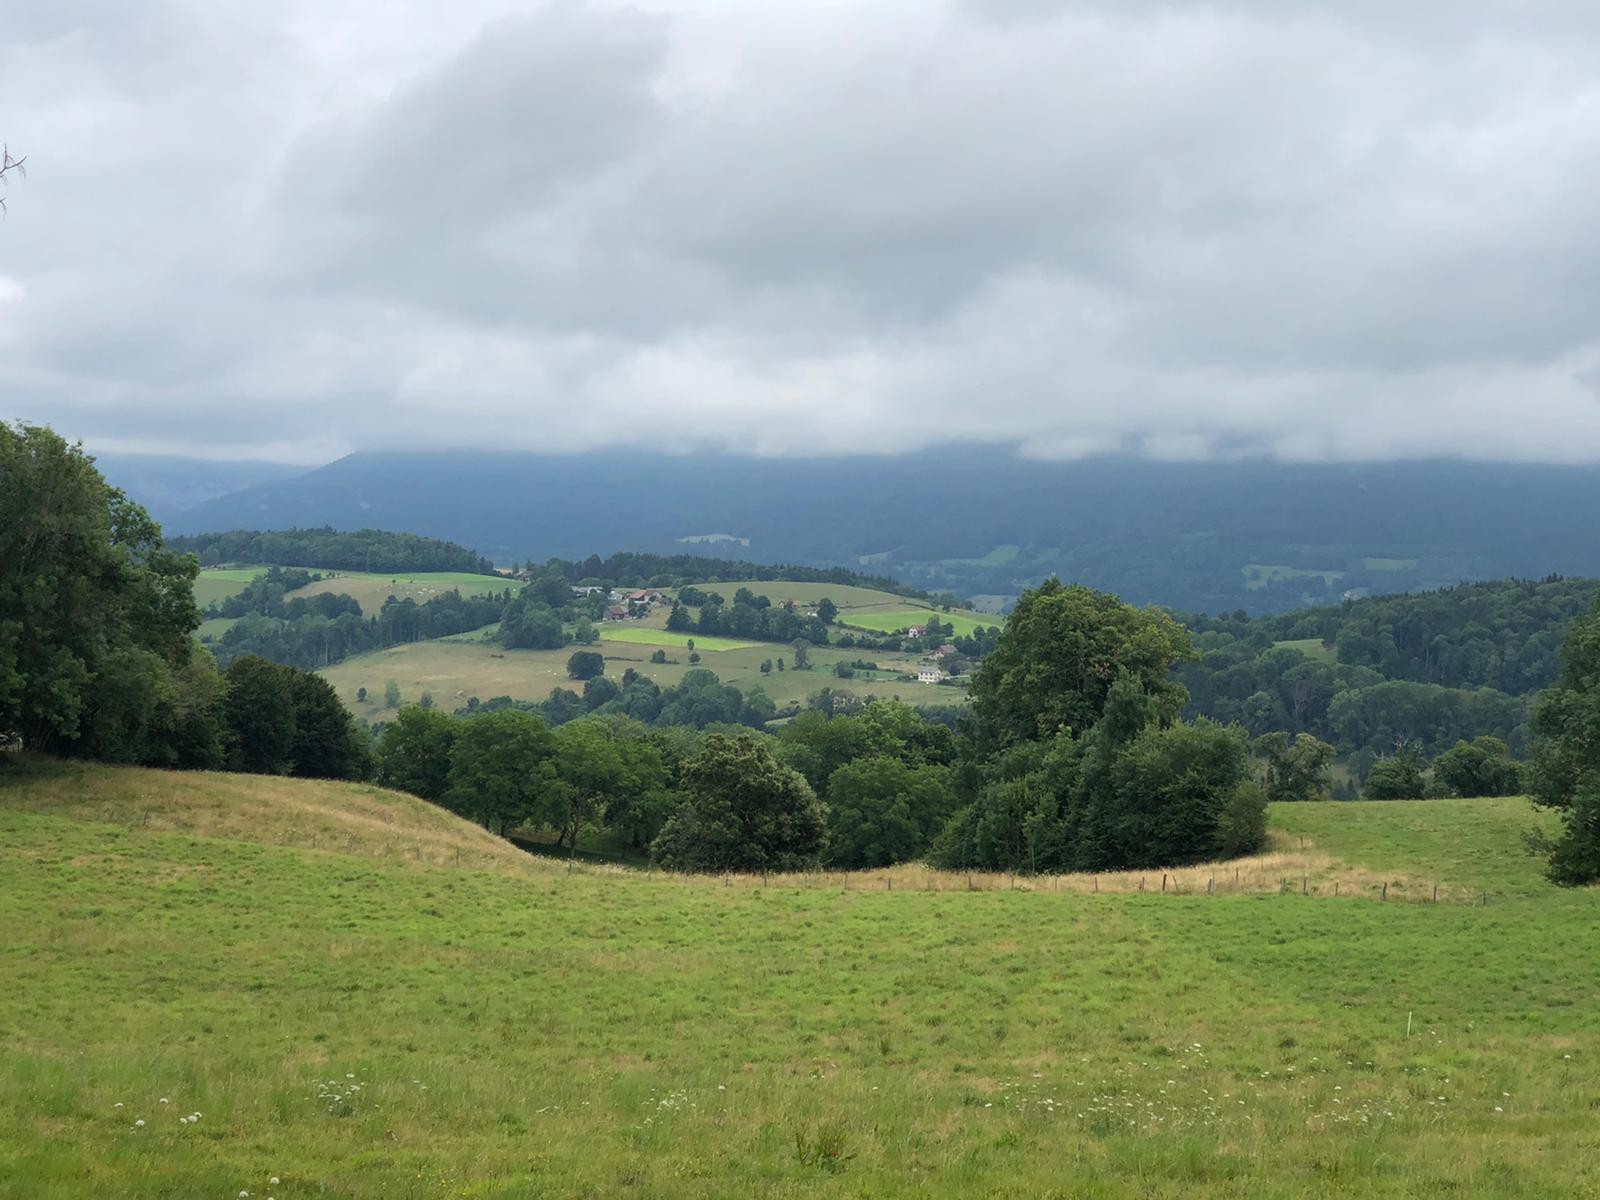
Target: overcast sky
1314,230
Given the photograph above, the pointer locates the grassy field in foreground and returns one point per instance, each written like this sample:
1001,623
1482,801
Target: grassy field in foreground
361,1025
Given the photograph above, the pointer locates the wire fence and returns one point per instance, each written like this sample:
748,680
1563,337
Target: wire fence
1282,873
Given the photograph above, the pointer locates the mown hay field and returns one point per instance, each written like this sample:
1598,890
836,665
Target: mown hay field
369,589
891,621
368,1021
454,669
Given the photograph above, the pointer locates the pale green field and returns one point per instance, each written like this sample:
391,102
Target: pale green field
1311,647
216,584
1388,564
998,557
863,608
642,634
371,590
807,595
213,628
453,670
889,622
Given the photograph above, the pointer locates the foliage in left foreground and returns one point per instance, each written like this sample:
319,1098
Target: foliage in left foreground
97,658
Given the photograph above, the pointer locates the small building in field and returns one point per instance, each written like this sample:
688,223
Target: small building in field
916,631
616,613
944,651
647,596
929,673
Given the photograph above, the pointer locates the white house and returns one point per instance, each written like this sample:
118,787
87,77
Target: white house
929,673
916,631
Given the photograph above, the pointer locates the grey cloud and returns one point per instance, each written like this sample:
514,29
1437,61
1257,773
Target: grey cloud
1183,229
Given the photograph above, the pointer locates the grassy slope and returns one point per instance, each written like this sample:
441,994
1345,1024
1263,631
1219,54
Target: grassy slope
1314,648
370,590
891,621
517,1031
454,669
218,583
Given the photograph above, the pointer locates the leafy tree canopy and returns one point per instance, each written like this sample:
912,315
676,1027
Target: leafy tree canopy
1058,655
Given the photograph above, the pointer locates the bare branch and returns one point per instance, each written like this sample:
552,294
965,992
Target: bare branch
7,163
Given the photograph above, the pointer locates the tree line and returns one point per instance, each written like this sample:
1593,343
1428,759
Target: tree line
97,654
635,570
331,549
319,630
1074,758
1422,671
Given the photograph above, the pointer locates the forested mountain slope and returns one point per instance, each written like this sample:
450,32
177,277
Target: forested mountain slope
1425,669
1200,537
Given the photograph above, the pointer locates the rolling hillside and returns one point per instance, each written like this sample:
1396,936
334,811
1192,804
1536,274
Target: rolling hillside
201,1002
455,669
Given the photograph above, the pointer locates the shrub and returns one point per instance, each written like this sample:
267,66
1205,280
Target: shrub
586,664
1242,823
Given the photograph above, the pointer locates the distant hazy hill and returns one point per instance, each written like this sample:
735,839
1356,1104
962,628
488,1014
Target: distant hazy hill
166,485
1202,537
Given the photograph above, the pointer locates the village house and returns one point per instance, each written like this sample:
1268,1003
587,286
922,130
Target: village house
647,596
616,613
916,631
929,673
944,651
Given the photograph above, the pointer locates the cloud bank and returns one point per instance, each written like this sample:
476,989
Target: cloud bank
1230,228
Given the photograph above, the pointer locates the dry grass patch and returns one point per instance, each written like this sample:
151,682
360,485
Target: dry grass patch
350,818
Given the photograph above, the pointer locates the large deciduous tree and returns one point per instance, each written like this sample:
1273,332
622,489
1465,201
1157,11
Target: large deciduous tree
259,711
501,765
1566,764
1296,767
87,591
414,753
1058,656
1481,767
742,811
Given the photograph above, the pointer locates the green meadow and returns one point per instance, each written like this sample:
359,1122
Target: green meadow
220,984
636,633
454,669
890,622
1310,647
216,584
369,589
